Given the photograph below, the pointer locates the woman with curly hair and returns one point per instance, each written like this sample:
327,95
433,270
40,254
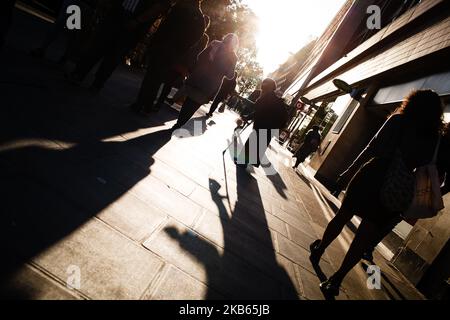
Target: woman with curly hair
413,132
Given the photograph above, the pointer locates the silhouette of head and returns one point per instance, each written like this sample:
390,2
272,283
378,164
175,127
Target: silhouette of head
268,86
316,128
231,41
424,110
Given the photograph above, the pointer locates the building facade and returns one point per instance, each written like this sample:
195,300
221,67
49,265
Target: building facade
409,49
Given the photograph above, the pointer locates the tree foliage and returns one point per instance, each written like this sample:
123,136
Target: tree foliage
233,16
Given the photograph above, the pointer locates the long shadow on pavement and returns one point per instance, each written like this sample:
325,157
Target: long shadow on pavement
47,194
245,269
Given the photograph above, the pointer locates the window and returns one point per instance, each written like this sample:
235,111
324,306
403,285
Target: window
344,117
390,11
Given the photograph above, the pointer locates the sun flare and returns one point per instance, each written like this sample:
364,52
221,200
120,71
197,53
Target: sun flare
285,26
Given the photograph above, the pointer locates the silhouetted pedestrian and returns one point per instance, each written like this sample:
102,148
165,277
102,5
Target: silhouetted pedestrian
217,61
180,31
408,140
183,68
124,23
443,162
310,145
270,114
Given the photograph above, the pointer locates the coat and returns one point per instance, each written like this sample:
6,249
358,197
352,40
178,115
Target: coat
179,32
270,112
206,78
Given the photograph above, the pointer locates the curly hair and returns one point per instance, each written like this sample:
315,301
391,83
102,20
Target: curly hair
424,109
446,130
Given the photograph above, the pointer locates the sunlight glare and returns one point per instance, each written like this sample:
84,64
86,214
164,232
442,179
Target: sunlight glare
285,26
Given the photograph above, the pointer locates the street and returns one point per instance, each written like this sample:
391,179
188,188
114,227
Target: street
99,203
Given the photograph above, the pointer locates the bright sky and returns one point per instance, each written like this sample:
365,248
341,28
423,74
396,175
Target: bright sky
287,25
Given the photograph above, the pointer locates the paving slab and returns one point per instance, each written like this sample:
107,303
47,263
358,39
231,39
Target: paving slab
29,283
208,263
174,284
146,214
110,266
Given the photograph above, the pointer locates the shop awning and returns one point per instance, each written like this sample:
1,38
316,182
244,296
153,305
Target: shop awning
438,82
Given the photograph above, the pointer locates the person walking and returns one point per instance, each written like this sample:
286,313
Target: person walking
270,114
217,61
443,162
409,137
123,24
182,28
310,145
226,89
182,69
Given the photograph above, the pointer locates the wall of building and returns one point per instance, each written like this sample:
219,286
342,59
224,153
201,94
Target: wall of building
417,42
412,37
424,244
344,147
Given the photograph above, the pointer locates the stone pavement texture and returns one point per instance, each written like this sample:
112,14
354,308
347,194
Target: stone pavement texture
141,213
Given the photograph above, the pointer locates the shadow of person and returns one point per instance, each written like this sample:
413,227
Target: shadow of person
47,194
194,128
40,104
245,266
278,183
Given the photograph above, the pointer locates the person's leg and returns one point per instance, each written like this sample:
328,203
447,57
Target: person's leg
110,62
301,156
222,107
125,42
150,88
164,93
384,231
169,83
218,99
333,230
365,236
298,161
187,111
264,137
103,41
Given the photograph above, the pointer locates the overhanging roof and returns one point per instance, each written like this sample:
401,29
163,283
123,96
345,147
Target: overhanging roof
438,82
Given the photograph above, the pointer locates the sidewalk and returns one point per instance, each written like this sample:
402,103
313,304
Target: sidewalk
94,193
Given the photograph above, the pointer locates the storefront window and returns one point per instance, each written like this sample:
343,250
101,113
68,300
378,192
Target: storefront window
322,114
